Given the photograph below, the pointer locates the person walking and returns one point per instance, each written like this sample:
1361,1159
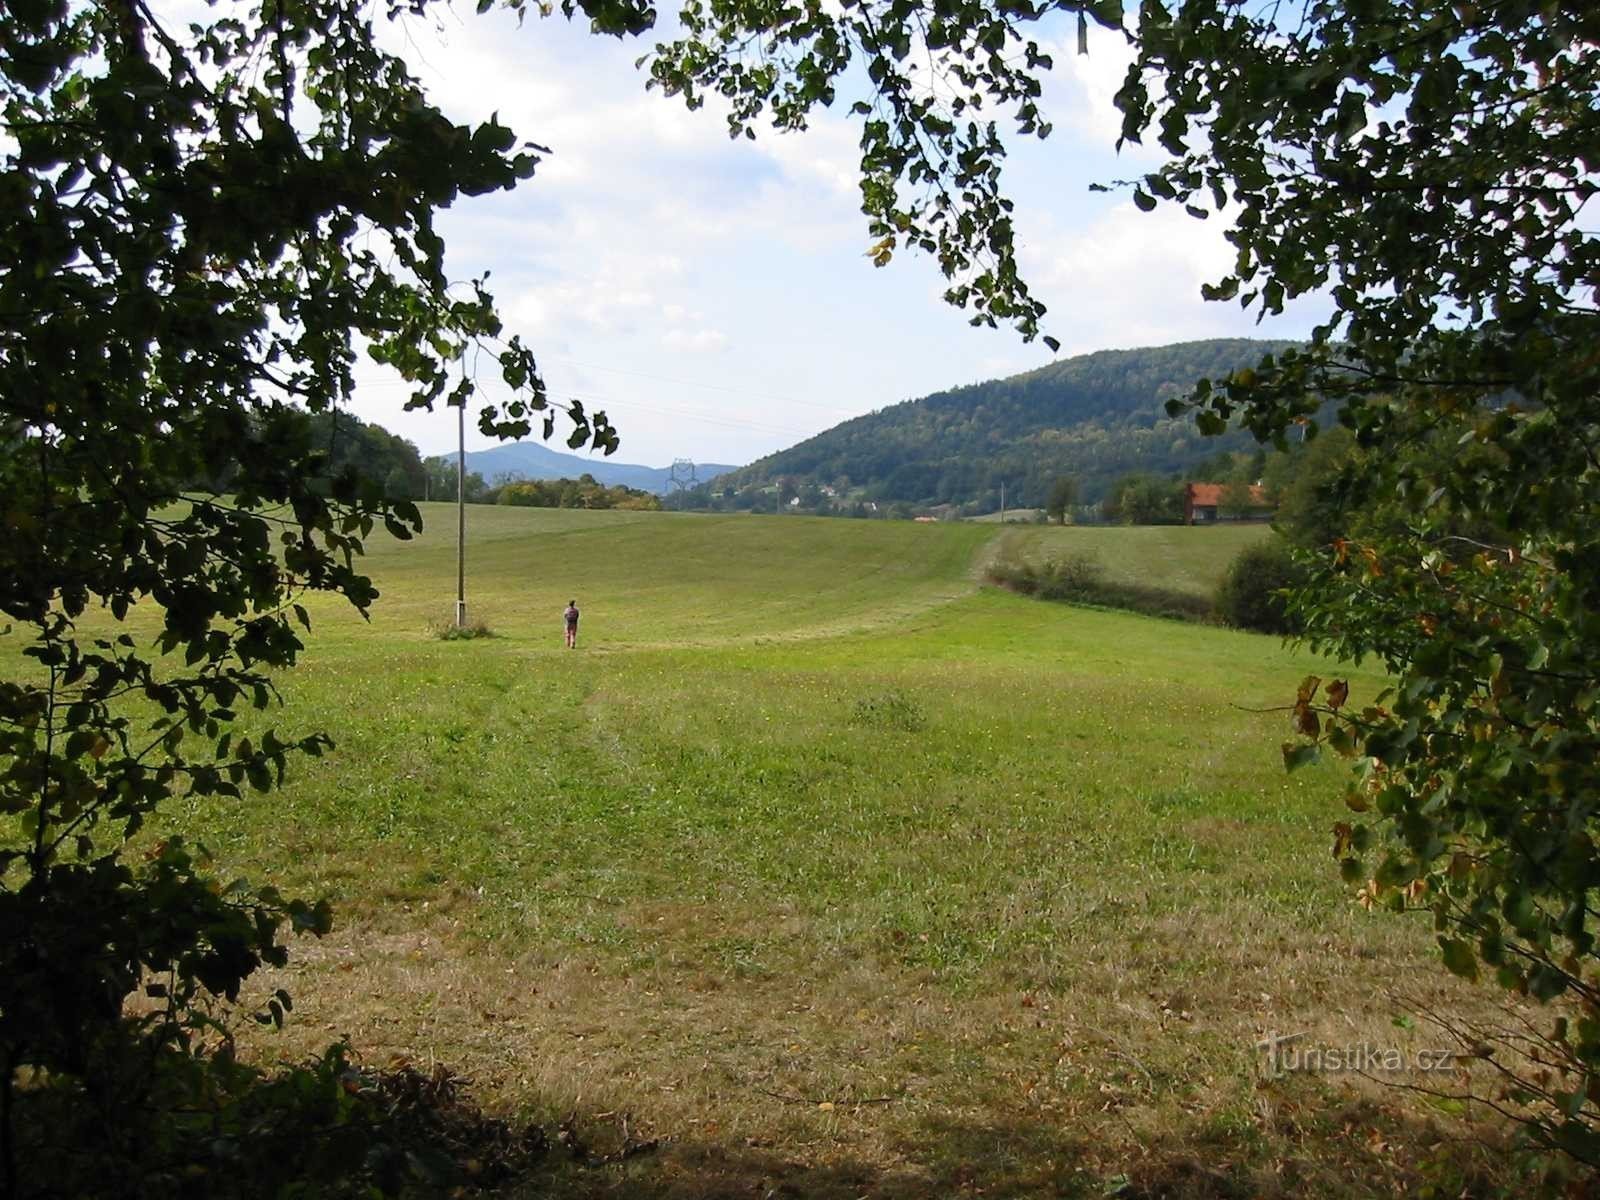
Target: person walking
571,616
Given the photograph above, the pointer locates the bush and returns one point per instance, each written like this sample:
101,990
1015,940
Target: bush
891,710
449,631
204,1124
1252,593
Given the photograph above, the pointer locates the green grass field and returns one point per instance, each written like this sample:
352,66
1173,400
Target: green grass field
1177,557
1013,515
669,578
840,873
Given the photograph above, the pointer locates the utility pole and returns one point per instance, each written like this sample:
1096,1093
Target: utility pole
1002,502
461,515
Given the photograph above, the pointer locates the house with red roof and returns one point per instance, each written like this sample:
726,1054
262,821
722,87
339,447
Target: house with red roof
1203,504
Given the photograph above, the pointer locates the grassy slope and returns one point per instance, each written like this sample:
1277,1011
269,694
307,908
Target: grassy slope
1178,557
667,578
1013,515
1026,878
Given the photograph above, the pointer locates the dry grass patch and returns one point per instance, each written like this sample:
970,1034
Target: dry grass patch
864,1076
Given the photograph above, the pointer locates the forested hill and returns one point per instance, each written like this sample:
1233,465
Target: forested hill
1094,417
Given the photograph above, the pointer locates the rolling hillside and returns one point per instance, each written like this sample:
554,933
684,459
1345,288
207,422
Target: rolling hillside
534,460
1094,417
651,578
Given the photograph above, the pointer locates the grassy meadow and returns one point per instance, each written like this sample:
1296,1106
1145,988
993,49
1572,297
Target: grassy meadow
1177,557
838,872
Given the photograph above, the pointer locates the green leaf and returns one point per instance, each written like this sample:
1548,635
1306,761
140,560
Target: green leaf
1299,754
1352,116
1459,957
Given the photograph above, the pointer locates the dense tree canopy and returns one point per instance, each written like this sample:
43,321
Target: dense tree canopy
214,220
582,492
1141,498
368,451
1427,164
1094,417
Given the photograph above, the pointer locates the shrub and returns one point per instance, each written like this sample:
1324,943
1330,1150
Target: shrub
205,1124
449,631
891,710
1252,593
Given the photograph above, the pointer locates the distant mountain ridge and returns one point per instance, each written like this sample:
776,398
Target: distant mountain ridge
534,460
1094,417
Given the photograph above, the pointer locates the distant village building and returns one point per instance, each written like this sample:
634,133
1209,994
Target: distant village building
1203,504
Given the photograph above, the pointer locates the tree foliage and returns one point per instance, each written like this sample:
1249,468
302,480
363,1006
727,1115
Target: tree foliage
1237,499
1063,495
367,451
1426,164
1303,479
583,492
440,481
931,149
1142,498
218,217
1255,592
1093,417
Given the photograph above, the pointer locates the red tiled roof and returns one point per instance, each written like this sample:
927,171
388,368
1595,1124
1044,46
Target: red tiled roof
1204,495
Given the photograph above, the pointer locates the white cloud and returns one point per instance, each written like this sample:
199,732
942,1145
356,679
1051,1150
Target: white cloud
720,286
829,152
696,341
1082,88
1130,278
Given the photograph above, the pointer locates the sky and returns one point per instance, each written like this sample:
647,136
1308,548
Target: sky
714,296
